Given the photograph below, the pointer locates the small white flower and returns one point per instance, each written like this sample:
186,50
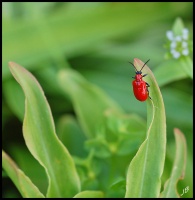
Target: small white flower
176,54
170,35
185,52
178,38
173,44
178,44
185,37
185,33
184,44
173,51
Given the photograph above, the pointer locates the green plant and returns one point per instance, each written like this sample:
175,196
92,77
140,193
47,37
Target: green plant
111,140
100,122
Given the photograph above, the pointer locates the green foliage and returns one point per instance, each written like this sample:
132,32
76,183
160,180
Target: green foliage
179,167
179,46
89,194
84,133
22,182
41,140
147,163
81,93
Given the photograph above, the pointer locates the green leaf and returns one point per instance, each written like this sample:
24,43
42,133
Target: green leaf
187,66
169,71
117,188
41,140
145,170
131,135
71,135
88,100
90,194
29,166
118,184
14,97
21,181
178,26
99,145
119,135
179,166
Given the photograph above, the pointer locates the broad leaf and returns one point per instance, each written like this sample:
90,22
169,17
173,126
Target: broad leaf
41,139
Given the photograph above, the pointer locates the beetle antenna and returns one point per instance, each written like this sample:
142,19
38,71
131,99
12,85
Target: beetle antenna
144,65
133,66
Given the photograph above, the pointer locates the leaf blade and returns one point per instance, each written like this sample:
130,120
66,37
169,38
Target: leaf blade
147,161
41,139
179,166
81,93
21,181
89,194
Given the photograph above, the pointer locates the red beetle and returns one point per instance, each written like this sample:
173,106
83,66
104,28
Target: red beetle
140,87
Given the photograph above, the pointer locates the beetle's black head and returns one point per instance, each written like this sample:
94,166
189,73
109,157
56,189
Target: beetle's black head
136,71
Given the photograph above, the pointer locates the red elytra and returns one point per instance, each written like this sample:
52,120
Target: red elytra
140,87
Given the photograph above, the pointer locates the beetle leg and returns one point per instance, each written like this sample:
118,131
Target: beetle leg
149,94
144,75
133,77
147,84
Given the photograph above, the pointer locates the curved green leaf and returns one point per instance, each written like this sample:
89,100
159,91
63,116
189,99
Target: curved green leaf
179,166
145,169
41,140
21,181
169,71
89,101
90,194
71,135
187,66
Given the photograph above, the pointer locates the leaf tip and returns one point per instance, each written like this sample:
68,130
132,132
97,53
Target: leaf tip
11,64
137,61
176,130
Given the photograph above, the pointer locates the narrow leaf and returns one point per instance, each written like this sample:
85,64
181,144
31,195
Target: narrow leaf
41,140
179,166
89,101
22,182
145,169
90,194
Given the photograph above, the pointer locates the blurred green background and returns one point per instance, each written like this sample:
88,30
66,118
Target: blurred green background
97,40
